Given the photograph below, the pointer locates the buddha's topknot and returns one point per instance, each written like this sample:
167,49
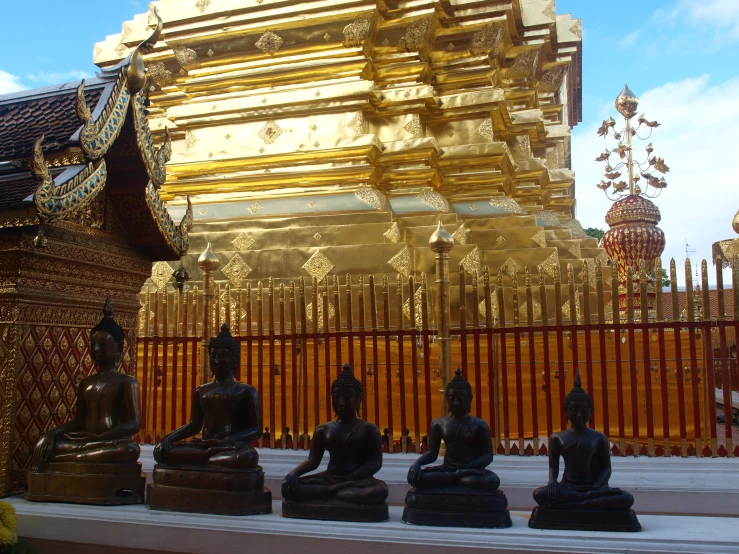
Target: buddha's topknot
459,383
578,393
225,340
108,325
346,380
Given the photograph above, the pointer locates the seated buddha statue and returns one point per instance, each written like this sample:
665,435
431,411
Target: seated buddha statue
461,491
217,472
99,439
347,490
582,499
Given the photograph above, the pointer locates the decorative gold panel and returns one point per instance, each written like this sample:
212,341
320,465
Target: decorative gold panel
269,42
540,238
434,199
236,270
460,235
393,234
318,265
510,267
270,132
506,203
401,262
161,273
243,241
471,262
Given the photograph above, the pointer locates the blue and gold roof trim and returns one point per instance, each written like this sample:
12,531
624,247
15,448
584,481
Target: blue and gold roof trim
54,202
103,106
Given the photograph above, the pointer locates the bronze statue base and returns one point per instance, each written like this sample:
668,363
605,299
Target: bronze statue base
336,510
207,490
87,483
544,517
457,507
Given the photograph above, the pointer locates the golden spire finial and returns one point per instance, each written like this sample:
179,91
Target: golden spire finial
627,103
208,259
441,240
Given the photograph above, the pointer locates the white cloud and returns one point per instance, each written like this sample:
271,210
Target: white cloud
698,138
629,40
57,77
10,83
721,15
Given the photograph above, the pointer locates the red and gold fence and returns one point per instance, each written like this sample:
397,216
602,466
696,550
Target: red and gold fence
653,381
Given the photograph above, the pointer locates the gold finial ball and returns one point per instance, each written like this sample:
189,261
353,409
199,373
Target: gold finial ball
441,240
627,103
208,261
735,222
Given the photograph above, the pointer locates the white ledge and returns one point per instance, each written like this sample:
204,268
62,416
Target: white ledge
137,528
703,486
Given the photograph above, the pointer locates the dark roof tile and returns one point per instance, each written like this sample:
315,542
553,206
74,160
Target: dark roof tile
54,116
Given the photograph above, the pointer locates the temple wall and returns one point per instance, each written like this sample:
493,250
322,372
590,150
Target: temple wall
50,298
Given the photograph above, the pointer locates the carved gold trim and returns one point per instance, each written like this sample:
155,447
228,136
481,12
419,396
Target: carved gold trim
154,160
58,202
97,136
176,236
9,341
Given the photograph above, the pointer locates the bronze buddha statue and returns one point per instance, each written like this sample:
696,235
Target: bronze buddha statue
582,500
93,458
347,490
461,491
217,473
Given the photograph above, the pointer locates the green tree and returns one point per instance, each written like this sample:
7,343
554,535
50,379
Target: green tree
595,232
665,278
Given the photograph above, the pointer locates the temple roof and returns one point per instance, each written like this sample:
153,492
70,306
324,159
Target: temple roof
62,146
49,111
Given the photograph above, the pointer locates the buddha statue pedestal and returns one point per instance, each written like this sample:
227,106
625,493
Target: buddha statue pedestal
87,483
209,490
546,517
93,458
456,507
347,490
582,500
219,472
461,492
333,509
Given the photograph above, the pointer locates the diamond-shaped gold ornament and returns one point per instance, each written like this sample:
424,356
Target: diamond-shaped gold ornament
318,265
460,235
393,234
270,132
236,270
540,239
317,236
243,241
269,42
471,261
510,267
417,301
161,273
401,262
254,208
501,240
309,311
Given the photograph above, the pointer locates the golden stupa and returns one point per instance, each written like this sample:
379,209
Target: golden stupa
330,137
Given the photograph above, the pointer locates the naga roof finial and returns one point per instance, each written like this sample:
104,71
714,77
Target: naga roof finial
137,77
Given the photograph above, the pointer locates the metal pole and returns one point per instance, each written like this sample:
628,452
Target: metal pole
208,262
441,242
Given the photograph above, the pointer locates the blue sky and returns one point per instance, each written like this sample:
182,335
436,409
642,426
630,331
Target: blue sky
680,56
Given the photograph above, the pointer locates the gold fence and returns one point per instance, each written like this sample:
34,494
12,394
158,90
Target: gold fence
653,379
